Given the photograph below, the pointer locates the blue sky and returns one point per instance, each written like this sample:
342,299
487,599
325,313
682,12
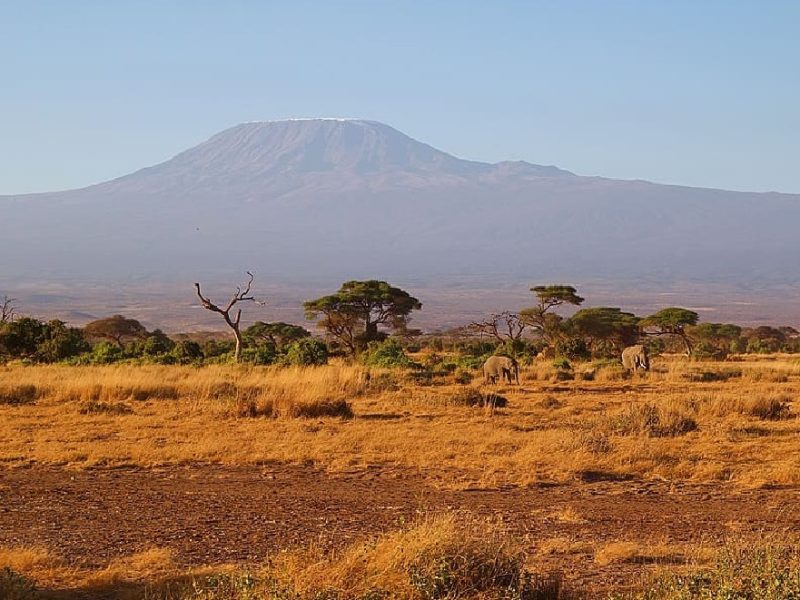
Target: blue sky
697,93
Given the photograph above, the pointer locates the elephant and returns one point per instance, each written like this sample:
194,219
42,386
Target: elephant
635,357
502,368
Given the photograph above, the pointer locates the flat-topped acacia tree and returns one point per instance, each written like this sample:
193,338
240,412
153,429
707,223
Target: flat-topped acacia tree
240,295
354,314
116,329
671,321
541,318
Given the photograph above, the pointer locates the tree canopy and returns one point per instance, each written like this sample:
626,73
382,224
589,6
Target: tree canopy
671,321
715,340
541,318
278,334
116,329
354,314
605,324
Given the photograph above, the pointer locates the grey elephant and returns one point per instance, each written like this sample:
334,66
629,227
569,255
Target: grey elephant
500,368
635,357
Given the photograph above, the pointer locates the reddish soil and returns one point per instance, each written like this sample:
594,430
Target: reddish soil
214,514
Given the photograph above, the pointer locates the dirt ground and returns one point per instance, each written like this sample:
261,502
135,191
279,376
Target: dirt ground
213,514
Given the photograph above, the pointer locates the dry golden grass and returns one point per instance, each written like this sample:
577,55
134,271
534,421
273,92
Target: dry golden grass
442,556
465,556
50,571
557,546
664,425
656,554
27,559
142,566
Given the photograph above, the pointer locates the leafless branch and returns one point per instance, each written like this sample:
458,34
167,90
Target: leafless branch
8,309
502,326
240,295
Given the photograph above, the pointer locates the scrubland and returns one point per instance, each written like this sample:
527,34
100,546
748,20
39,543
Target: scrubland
724,425
732,423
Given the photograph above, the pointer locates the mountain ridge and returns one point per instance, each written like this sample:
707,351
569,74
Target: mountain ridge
344,198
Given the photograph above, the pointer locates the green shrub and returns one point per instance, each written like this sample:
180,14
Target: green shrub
706,350
472,362
462,376
217,348
573,348
187,351
307,352
562,363
444,368
262,355
35,341
105,353
155,344
388,354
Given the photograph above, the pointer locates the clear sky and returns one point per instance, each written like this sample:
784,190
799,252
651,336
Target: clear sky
702,93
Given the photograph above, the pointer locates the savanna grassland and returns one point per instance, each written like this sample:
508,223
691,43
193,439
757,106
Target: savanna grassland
339,481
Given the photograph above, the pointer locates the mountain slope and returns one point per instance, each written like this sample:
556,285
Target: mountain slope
326,199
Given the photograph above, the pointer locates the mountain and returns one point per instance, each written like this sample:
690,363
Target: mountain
321,200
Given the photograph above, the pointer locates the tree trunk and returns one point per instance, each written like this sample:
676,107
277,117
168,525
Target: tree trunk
371,332
237,353
687,342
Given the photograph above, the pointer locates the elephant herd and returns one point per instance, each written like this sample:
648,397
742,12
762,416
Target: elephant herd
498,369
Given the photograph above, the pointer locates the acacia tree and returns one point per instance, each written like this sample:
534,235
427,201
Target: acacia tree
541,317
354,314
8,309
278,334
671,321
715,339
504,326
116,329
605,325
240,295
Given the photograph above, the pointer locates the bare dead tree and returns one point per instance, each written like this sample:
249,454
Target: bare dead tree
504,326
240,295
8,309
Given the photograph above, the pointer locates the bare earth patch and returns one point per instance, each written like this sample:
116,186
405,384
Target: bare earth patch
211,515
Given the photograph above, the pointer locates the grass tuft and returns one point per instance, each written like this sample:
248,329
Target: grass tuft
16,395
651,420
